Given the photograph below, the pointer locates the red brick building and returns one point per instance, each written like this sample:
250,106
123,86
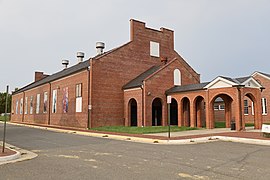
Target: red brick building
128,86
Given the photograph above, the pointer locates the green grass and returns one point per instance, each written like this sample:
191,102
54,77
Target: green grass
2,118
141,130
223,124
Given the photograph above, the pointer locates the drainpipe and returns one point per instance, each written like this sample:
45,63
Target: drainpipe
49,104
89,104
90,84
142,87
23,106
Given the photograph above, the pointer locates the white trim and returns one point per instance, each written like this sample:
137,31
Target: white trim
251,79
258,73
208,86
132,89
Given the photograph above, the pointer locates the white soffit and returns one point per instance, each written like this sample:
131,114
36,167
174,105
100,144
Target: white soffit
260,74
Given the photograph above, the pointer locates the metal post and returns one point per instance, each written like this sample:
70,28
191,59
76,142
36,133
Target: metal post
5,122
169,120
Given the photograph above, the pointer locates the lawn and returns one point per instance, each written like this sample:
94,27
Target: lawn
142,130
2,118
223,125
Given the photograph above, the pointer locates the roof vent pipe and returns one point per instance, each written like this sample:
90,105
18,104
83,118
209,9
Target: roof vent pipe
80,56
65,63
100,46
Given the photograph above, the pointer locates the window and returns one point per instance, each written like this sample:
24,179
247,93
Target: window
78,90
154,49
78,97
264,106
26,105
31,105
54,101
21,106
45,102
222,107
38,104
252,108
65,100
245,107
177,77
216,107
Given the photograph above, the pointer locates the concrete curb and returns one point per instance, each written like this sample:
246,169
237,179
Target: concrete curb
10,157
21,155
205,139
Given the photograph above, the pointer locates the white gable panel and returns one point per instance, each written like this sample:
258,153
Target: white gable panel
220,84
251,83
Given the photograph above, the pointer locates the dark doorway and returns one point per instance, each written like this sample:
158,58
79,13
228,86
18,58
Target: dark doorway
174,112
186,111
133,112
156,112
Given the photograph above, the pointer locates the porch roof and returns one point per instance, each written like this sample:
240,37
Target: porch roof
190,87
138,81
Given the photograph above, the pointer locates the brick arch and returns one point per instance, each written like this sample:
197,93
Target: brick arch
174,112
157,111
133,112
199,111
257,109
185,111
228,100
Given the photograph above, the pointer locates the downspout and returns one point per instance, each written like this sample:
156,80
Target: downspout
142,104
88,101
90,83
23,106
49,104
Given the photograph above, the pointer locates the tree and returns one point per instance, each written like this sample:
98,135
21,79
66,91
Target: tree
3,103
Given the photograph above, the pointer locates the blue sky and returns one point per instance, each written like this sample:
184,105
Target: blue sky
216,37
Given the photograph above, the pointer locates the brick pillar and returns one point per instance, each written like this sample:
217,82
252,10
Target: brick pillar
192,114
180,113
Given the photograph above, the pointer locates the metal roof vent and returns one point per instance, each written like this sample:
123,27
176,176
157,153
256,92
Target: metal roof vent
65,63
100,46
80,56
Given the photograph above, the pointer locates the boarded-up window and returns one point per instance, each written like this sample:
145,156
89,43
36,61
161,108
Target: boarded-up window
177,77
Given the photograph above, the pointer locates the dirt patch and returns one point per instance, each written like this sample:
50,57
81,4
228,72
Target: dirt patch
7,152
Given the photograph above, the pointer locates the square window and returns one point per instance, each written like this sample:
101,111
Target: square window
154,49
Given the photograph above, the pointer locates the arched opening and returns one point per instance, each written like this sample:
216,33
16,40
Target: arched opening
156,112
133,112
200,120
222,111
186,111
174,112
249,110
177,77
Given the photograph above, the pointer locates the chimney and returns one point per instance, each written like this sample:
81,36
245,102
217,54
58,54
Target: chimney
164,60
80,56
65,63
100,46
39,75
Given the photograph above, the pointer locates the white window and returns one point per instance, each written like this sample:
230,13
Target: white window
31,105
177,77
54,101
38,103
222,107
252,108
216,107
78,97
25,105
154,49
264,106
245,107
